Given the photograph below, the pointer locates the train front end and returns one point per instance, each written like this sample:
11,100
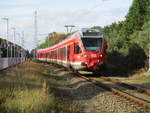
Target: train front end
94,52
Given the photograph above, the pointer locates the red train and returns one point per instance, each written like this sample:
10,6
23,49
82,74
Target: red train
83,50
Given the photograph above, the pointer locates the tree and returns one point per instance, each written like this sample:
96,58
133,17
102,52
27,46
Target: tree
136,16
53,39
147,15
111,34
97,27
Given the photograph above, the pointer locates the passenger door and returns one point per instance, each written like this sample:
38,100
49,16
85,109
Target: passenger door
68,52
71,55
77,51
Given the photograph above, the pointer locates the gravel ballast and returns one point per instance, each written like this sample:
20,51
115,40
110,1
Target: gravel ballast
93,99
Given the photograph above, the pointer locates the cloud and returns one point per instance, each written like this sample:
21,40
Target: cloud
53,15
20,3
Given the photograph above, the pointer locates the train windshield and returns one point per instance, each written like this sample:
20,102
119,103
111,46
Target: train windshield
92,44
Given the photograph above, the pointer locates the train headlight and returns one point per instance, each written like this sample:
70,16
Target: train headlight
101,55
85,55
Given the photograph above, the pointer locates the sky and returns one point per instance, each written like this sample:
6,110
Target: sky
53,15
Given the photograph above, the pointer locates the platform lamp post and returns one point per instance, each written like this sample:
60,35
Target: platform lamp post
19,43
14,30
7,20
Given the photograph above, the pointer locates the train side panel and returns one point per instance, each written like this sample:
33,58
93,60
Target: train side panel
7,62
10,54
72,53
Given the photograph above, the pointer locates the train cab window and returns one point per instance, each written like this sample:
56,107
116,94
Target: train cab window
92,44
77,49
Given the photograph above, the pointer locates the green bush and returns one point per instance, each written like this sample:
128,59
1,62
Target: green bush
136,57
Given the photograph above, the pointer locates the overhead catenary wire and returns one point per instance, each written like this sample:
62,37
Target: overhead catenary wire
95,6
85,14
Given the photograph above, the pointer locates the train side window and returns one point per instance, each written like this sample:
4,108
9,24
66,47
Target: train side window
49,54
58,53
45,55
77,49
64,53
52,56
68,51
1,53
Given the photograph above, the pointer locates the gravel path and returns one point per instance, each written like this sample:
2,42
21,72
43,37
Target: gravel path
92,98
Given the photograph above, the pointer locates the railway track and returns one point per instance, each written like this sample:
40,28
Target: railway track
119,92
118,82
128,96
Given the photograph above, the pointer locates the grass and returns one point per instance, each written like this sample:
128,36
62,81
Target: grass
28,101
28,88
141,74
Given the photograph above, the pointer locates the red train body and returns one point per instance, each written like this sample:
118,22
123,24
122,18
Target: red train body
84,50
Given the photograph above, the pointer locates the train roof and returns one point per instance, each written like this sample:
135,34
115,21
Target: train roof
9,42
86,32
69,38
83,33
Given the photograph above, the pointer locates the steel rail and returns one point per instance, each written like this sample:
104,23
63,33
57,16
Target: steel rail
118,82
118,92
